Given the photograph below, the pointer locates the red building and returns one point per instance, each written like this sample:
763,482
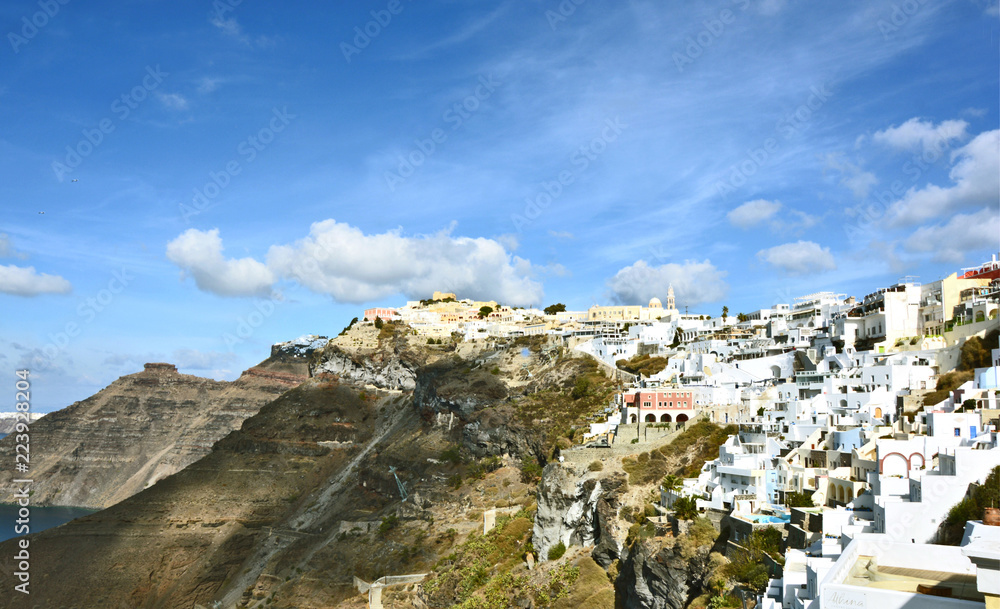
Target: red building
383,314
661,405
987,270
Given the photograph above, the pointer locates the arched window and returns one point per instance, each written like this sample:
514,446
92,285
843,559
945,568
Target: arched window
650,418
665,418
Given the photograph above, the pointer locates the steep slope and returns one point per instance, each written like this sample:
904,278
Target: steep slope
140,429
291,508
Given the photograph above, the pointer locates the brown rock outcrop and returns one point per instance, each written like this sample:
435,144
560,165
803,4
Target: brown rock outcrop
140,429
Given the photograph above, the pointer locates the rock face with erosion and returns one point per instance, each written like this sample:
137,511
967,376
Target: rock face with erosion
579,511
140,429
657,575
387,373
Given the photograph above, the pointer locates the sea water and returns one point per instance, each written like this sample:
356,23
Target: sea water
41,518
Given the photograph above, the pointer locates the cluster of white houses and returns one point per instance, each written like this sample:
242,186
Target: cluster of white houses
828,398
828,393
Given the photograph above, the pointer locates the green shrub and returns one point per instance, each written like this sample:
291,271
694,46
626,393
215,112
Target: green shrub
556,552
971,507
531,471
452,454
595,466
388,523
799,500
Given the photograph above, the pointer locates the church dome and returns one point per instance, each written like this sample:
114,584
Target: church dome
655,303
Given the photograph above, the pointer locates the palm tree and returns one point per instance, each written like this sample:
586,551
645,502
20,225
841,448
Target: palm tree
672,483
725,313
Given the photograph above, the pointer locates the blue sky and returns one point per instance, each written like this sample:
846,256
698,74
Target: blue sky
217,177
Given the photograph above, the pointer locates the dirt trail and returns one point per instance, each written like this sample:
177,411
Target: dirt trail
304,519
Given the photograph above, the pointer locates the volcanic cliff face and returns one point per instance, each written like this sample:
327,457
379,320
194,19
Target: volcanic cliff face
140,429
305,497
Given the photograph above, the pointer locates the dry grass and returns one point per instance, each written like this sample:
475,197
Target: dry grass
683,457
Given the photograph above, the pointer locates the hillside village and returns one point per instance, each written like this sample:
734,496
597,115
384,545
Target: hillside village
862,422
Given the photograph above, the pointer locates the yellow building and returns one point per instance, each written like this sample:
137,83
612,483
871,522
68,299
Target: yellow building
654,311
938,300
651,312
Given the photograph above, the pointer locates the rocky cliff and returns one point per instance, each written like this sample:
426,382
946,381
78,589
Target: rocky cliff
580,509
141,429
663,573
306,498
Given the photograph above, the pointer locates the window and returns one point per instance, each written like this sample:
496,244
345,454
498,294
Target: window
958,432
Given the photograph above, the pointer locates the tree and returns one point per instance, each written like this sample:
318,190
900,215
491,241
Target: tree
556,308
742,317
747,566
485,311
798,500
671,482
971,507
686,508
349,326
379,323
725,313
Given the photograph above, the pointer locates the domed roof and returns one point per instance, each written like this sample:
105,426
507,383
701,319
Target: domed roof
655,303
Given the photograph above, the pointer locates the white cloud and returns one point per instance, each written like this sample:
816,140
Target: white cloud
7,249
799,257
962,233
976,182
208,84
199,254
853,177
561,234
25,281
173,101
754,212
916,134
230,27
694,283
340,260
